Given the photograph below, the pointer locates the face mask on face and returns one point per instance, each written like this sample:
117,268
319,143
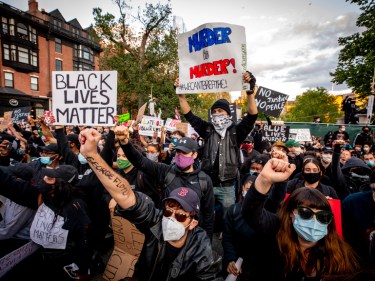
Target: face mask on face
172,229
152,156
244,193
45,160
123,164
82,159
248,146
370,163
366,149
183,161
311,230
253,172
327,158
311,177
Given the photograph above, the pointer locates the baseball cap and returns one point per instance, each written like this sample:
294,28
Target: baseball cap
249,139
327,149
186,145
187,198
53,147
280,144
67,173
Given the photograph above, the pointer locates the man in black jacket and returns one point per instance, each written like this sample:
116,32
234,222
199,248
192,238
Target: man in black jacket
185,169
175,246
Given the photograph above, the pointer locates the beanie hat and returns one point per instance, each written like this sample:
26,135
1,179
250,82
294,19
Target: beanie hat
223,104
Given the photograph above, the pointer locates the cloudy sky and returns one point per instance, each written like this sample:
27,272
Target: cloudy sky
292,44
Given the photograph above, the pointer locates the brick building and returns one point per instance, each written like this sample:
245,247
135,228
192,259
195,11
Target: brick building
33,44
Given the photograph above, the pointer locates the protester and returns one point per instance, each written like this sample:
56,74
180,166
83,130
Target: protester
300,241
369,160
364,137
341,133
222,141
295,155
176,246
247,149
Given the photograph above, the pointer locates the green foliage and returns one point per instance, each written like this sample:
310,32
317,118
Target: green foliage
314,102
357,57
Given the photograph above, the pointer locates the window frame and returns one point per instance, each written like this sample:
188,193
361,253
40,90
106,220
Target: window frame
58,45
61,61
5,79
37,83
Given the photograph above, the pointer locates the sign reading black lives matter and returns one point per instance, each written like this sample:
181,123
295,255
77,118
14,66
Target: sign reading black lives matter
273,133
84,97
270,102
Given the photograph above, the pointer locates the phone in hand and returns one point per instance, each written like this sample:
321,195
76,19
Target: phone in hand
174,140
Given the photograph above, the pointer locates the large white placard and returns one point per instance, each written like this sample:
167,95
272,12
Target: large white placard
212,58
84,97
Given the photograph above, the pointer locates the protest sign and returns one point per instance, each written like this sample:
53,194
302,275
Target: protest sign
48,117
149,125
270,102
273,133
170,124
84,97
183,127
141,112
6,120
212,58
301,134
21,114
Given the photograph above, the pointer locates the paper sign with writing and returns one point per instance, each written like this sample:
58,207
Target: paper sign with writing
47,232
183,127
141,112
21,114
6,120
273,133
212,58
170,124
48,117
84,97
270,102
149,125
301,134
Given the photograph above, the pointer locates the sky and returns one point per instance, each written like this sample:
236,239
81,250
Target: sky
292,45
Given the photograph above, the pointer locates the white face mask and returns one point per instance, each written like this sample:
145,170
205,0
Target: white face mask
172,229
327,158
244,193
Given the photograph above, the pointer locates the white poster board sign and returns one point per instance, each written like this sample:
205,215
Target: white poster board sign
149,124
212,58
84,97
170,124
301,134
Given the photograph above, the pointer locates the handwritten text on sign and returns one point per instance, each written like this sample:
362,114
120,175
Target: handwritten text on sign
84,97
212,59
275,133
270,102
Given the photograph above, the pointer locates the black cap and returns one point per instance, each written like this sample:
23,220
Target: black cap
67,173
186,145
53,147
187,198
73,138
24,172
223,104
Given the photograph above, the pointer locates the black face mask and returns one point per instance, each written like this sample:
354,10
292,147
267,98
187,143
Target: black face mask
311,177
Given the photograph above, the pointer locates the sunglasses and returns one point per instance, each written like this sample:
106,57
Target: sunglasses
180,217
324,217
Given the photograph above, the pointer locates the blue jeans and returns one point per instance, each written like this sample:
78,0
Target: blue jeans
226,196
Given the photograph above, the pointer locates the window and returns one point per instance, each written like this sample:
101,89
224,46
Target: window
58,47
58,65
22,31
9,80
32,35
34,58
6,53
34,81
11,26
19,54
57,23
4,24
23,55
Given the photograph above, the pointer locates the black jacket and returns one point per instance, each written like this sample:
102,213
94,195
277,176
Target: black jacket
220,156
326,190
195,261
190,180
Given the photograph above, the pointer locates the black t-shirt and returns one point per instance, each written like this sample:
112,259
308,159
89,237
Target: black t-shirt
170,256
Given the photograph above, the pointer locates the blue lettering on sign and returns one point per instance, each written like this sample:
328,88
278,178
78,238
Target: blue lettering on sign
207,37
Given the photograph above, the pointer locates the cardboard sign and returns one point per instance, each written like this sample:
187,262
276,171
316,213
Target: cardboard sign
141,112
183,127
273,133
149,125
21,114
301,134
6,120
128,243
170,124
84,97
270,102
212,58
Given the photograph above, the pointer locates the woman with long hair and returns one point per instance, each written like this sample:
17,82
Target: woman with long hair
300,242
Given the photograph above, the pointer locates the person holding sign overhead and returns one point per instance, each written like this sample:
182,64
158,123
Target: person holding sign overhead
222,141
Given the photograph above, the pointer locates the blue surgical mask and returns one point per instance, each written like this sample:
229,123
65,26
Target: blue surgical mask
82,159
311,230
370,163
253,172
45,160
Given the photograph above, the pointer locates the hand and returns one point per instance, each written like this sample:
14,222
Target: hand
275,170
250,78
89,139
232,268
122,133
112,204
176,82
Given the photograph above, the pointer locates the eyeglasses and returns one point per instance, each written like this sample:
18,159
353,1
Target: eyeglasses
324,217
181,217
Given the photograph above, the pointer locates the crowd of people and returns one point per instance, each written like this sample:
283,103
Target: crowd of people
270,203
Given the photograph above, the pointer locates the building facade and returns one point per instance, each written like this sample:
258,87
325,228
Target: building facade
33,44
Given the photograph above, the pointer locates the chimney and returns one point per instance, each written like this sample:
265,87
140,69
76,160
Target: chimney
33,7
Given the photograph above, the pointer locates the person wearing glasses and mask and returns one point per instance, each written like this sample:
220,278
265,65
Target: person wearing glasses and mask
175,246
300,242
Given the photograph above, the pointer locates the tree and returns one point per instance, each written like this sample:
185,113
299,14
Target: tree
315,102
357,57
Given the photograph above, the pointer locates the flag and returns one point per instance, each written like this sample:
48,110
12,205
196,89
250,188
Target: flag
124,117
177,115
